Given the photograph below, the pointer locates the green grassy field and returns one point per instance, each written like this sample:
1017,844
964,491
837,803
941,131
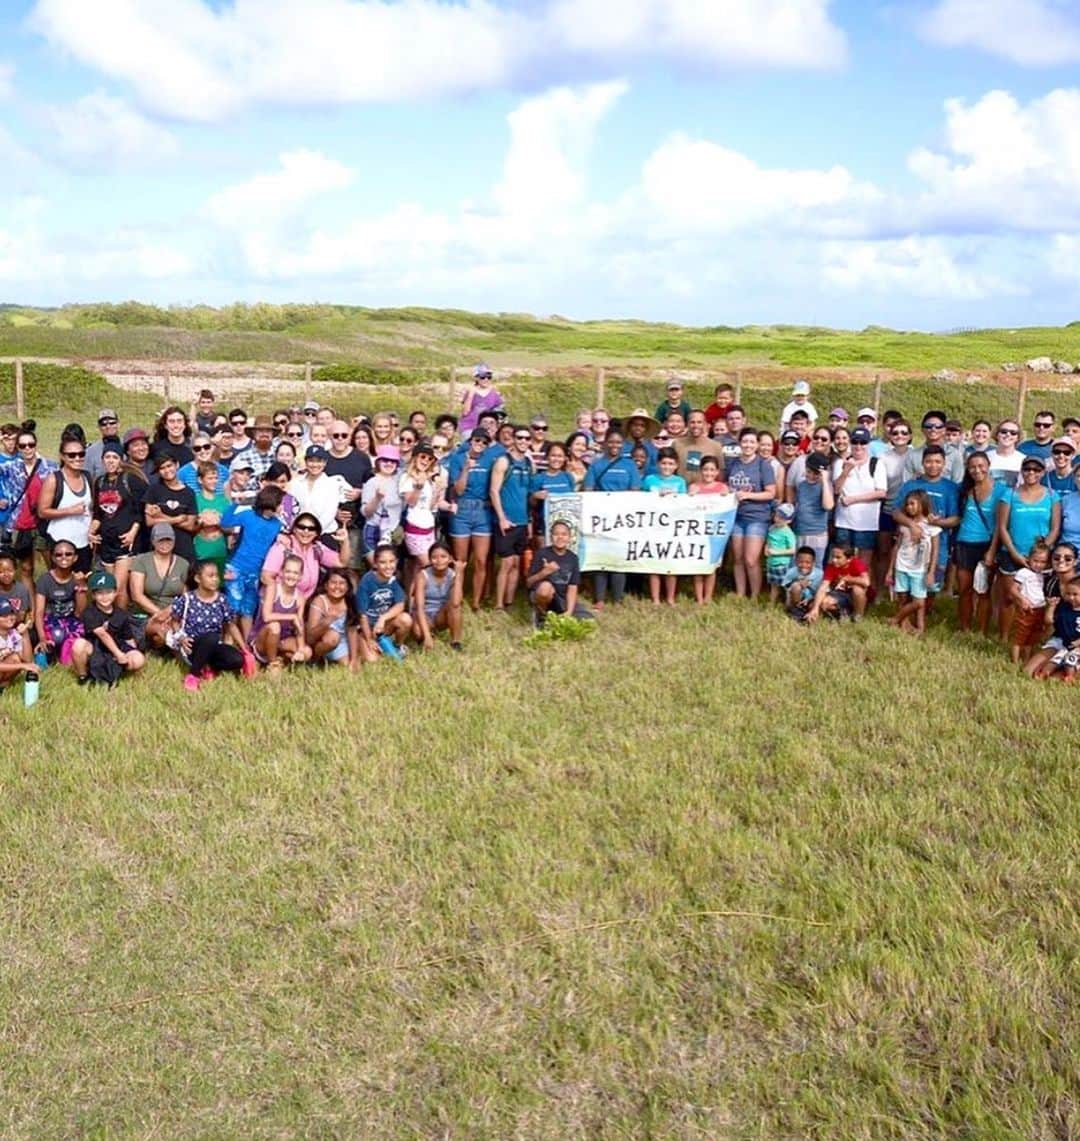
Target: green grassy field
422,339
708,874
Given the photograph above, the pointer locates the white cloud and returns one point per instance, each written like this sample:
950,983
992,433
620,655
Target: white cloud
100,130
697,186
1064,257
266,198
33,256
923,267
1033,33
1006,166
188,60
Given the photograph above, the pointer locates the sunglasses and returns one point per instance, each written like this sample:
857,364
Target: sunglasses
522,436
1063,558
112,421
540,427
339,435
900,432
74,455
304,527
202,447
1044,423
934,426
1057,451
1008,431
27,444
63,554
295,435
238,423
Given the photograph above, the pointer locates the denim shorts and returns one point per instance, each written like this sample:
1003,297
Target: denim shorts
751,529
473,517
860,540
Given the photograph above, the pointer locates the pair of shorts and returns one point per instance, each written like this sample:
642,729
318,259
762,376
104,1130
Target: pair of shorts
843,601
1006,563
511,544
911,583
750,529
557,605
417,541
886,522
967,556
111,553
774,576
1027,627
243,593
473,517
860,540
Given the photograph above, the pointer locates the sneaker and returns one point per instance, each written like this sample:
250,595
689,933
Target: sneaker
537,619
191,683
250,667
457,646
83,679
207,675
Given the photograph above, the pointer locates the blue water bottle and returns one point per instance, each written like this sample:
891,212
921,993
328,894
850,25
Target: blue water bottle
390,648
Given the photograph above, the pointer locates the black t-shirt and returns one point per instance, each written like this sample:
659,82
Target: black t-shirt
175,501
117,622
117,503
179,452
568,574
355,468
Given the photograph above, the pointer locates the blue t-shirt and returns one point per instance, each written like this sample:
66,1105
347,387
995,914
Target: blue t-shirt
810,517
944,500
1058,484
1027,521
1070,517
753,476
1066,623
375,596
810,581
478,483
189,476
620,474
257,536
514,493
978,520
674,484
554,483
1033,448
650,449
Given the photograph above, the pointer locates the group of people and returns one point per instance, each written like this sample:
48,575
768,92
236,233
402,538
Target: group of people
239,543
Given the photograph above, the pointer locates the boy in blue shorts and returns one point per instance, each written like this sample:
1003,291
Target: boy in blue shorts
258,526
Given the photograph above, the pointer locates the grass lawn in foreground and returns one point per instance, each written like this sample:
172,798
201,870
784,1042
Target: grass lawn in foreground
706,874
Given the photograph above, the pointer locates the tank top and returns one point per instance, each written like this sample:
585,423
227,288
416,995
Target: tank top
436,593
74,529
288,625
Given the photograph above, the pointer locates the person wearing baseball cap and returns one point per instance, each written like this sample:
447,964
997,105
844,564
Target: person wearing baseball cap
318,493
480,397
675,402
1061,472
109,426
799,402
108,648
779,549
867,418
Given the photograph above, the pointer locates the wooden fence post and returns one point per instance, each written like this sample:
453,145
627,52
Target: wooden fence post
738,386
20,394
877,397
1021,398
166,388
601,380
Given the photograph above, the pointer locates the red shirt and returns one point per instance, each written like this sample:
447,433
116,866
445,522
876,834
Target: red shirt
853,568
717,411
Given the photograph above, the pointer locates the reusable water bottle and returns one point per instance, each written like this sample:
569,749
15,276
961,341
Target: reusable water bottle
41,659
30,690
390,648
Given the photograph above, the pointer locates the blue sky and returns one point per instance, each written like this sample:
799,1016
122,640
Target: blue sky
913,163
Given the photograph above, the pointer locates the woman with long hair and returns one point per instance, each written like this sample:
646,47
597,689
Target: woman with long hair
976,540
66,502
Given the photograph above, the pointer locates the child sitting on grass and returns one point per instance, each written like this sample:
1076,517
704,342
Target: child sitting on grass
913,563
108,648
1060,656
277,636
779,549
380,599
800,583
15,655
843,587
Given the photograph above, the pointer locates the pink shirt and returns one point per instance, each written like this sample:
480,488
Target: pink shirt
314,555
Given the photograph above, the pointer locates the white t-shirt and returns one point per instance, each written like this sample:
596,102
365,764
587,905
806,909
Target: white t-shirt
792,407
1030,585
913,556
860,516
1005,469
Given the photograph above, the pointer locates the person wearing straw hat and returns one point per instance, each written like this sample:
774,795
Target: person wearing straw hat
640,428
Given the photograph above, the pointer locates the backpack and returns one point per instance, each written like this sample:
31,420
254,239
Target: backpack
58,494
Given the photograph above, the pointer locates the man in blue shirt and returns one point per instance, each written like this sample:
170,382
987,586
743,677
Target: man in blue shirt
511,475
1042,443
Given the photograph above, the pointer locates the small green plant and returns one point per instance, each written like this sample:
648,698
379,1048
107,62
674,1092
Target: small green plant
561,628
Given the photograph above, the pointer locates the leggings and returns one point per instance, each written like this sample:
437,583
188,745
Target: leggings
210,650
618,585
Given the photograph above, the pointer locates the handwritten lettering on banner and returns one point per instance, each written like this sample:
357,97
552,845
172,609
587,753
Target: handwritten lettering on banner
643,532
